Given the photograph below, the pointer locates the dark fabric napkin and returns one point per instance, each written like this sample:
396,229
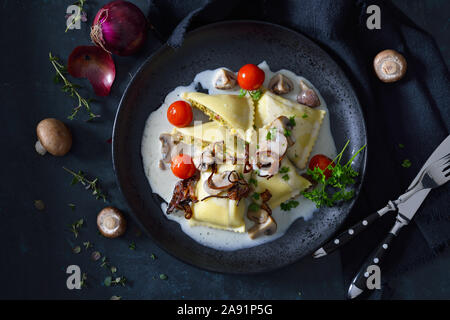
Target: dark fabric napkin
405,120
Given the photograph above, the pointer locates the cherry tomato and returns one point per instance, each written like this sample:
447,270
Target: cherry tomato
182,166
321,161
180,113
250,77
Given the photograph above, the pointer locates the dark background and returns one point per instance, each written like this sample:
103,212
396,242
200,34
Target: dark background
36,246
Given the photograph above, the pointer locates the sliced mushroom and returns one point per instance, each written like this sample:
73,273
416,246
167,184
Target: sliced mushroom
308,96
54,137
111,223
283,124
260,216
224,79
268,163
204,160
280,84
222,180
268,228
167,145
389,65
277,143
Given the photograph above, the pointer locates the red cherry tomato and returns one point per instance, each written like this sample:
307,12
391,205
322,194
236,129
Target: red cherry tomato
182,166
250,77
180,113
321,161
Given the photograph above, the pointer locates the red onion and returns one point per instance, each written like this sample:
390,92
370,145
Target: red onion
95,64
119,27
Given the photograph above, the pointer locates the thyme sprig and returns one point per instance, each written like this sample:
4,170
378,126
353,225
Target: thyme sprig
71,89
88,184
81,15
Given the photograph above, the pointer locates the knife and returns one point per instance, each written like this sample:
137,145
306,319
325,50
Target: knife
406,211
401,203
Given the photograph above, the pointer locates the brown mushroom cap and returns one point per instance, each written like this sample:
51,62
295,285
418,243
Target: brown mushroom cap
389,65
54,136
308,96
111,223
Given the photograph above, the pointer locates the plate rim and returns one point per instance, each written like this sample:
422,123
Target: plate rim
166,46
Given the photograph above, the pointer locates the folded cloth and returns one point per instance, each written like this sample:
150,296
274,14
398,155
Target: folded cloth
405,120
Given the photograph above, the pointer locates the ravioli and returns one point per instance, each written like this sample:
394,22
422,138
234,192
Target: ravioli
282,189
306,130
234,112
210,132
217,213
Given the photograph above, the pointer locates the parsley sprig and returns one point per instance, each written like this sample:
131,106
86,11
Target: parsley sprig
71,89
88,184
334,189
254,94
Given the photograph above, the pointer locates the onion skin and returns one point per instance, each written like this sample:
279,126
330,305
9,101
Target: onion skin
119,27
95,64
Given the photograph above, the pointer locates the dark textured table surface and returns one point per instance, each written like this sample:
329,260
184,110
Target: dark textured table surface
37,245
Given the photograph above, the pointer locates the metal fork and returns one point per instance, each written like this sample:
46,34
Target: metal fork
433,176
436,174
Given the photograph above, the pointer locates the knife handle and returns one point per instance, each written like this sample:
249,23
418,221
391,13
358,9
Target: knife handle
359,283
351,233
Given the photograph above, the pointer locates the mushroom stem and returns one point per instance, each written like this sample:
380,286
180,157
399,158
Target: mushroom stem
40,148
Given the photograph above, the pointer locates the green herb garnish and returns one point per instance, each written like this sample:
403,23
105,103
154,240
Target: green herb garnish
88,184
71,89
287,132
406,163
288,205
132,246
304,116
253,181
253,207
284,170
254,94
334,189
292,122
285,177
256,196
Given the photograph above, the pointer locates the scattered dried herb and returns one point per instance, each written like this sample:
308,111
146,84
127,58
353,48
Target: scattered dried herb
76,249
406,163
75,227
39,204
163,276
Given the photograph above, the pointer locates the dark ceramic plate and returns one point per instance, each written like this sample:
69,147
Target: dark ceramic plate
232,44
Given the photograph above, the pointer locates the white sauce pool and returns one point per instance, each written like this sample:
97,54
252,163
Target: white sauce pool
162,182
